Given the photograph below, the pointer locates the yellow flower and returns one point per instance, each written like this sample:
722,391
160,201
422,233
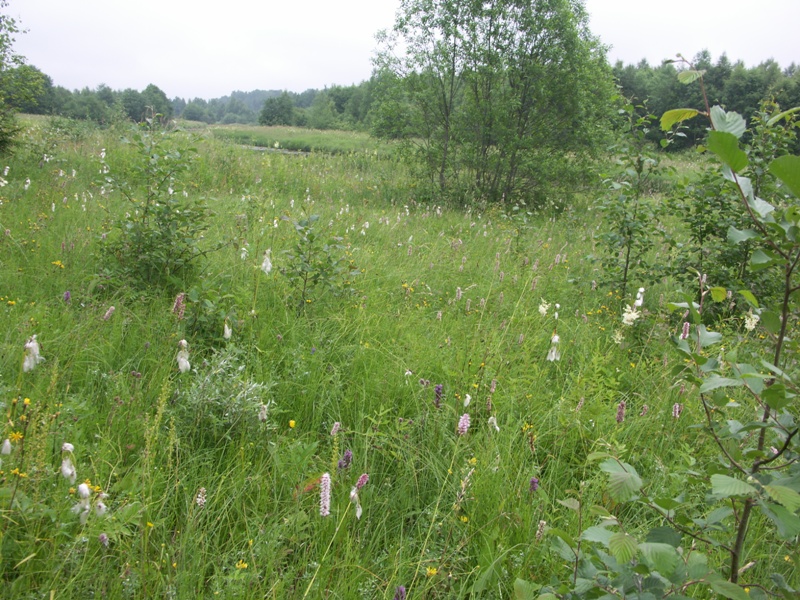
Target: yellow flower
431,571
27,401
464,518
472,461
15,436
241,564
292,423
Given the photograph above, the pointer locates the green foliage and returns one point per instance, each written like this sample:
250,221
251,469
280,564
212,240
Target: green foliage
631,213
487,101
157,239
314,266
278,110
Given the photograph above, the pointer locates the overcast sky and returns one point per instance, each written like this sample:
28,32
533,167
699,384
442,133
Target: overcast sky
204,48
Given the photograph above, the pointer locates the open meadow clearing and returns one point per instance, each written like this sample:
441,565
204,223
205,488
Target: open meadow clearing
230,373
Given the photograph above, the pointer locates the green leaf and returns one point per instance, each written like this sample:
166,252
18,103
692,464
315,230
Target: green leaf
524,590
570,503
623,480
785,496
707,337
737,236
690,75
760,260
662,557
676,115
715,381
783,114
726,147
623,547
664,535
771,321
697,565
731,122
598,534
718,294
787,169
729,590
749,297
724,486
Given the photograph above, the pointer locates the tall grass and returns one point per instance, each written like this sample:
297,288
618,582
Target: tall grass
443,297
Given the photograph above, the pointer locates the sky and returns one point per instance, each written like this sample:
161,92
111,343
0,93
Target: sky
206,49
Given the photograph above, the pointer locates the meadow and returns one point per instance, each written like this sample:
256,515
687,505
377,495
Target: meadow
449,375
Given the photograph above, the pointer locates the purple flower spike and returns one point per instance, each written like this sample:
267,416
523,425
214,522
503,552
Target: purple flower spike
437,390
534,484
67,296
346,459
400,593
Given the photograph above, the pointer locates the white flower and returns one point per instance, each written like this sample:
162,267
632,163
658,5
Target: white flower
354,500
226,331
553,354
6,449
544,307
183,356
467,400
266,265
100,508
751,320
630,315
27,184
243,254
67,447
493,423
639,298
618,337
68,469
32,357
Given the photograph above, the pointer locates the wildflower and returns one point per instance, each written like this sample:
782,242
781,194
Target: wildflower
618,337
543,308
685,331
621,411
493,423
68,469
100,508
103,539
493,386
534,484
463,424
458,294
6,448
200,500
179,306
262,413
354,499
27,183
554,354
540,530
241,564
677,409
67,447
346,459
292,423
183,356
639,298
362,481
645,408
630,315
108,314
555,314
437,394
431,571
67,296
325,495
244,252
400,593
467,400
266,264
226,331
335,428
751,320
32,357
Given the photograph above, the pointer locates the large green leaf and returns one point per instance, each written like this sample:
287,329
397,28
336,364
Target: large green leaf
715,381
623,547
707,337
783,114
784,495
599,534
787,523
623,480
737,236
690,75
729,590
787,169
730,122
676,115
726,147
724,486
664,535
524,590
662,557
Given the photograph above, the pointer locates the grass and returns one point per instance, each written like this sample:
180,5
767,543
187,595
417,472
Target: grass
442,296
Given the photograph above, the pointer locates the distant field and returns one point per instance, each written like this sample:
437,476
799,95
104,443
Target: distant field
301,140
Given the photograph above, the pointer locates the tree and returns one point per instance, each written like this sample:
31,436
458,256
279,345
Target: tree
25,84
278,110
496,89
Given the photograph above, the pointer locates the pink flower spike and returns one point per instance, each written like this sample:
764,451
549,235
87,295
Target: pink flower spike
325,495
463,424
362,481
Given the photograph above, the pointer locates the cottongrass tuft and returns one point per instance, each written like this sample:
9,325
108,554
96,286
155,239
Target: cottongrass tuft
32,354
183,356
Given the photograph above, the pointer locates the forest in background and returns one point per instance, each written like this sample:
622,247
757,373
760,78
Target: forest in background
355,107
